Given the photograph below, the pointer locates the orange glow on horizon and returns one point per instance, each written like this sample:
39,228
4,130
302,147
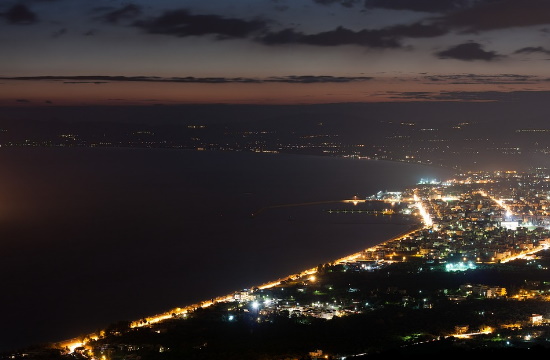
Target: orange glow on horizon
68,93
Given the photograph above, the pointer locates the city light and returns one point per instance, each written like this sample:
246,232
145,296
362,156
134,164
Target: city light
423,212
460,266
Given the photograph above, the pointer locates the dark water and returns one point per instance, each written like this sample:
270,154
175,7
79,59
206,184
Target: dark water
92,236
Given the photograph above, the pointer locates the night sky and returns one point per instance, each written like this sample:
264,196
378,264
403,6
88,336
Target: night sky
81,52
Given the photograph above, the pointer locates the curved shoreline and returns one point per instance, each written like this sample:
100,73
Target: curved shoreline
181,311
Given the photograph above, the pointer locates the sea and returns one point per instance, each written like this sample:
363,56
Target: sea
93,236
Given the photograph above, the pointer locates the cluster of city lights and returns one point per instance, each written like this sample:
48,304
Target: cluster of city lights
426,218
500,203
460,266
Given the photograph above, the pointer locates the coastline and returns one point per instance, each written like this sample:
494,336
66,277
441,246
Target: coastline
182,311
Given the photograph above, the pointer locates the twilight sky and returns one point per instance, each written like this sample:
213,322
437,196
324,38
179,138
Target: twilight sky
68,52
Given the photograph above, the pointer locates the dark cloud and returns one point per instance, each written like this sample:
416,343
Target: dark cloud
308,79
468,52
24,101
86,82
412,95
416,30
182,23
345,3
471,16
468,96
129,11
499,14
100,79
339,36
304,79
383,38
286,36
532,49
20,15
469,79
490,95
417,5
343,36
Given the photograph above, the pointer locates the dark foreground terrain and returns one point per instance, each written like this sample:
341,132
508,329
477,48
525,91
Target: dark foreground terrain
401,309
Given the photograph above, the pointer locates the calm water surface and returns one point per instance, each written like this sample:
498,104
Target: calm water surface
92,236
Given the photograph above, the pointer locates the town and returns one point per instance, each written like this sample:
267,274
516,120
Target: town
472,277
354,131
